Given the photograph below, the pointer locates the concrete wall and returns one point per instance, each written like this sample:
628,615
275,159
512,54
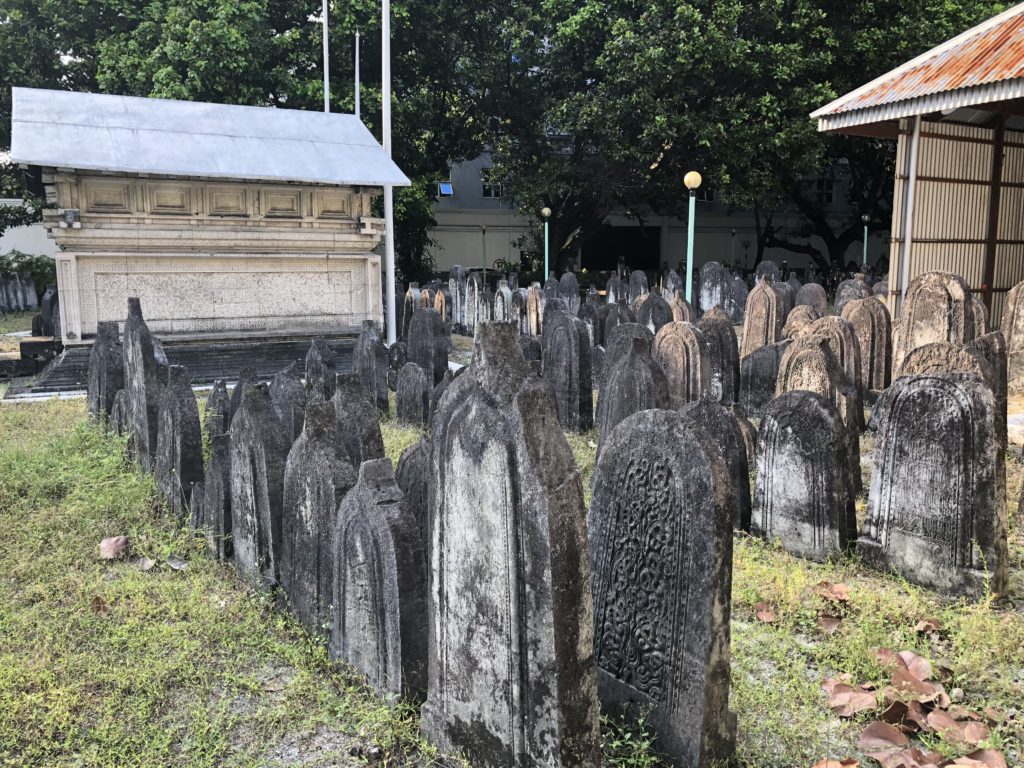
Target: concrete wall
30,239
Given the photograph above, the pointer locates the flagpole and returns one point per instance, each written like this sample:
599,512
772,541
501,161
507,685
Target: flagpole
327,60
389,203
356,110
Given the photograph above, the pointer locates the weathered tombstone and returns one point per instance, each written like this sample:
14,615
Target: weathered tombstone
179,442
932,511
503,303
723,356
620,340
662,640
718,423
635,304
531,348
106,371
715,285
412,399
216,506
937,308
802,493
321,368
769,269
736,300
764,318
553,305
597,364
614,292
749,433
682,312
654,313
881,289
490,601
426,298
591,319
842,338
801,316
535,300
1012,326
520,316
246,378
813,295
145,371
48,312
427,345
759,373
259,450
437,393
411,306
682,353
632,382
673,286
618,314
413,476
850,290
358,429
551,287
980,316
873,330
787,299
397,357
316,478
288,394
441,304
120,421
370,360
380,586
457,284
217,414
565,355
795,284
569,292
637,285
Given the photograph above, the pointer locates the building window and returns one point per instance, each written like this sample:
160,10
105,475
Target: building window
489,187
706,194
445,189
825,190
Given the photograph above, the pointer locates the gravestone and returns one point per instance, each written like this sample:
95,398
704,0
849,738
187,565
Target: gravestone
881,289
535,300
427,345
769,269
662,640
813,295
759,373
358,428
120,421
932,512
597,365
437,393
426,298
937,308
736,300
618,314
787,299
413,476
614,291
531,348
715,286
106,371
145,372
872,328
397,357
457,285
441,304
637,285
749,433
620,340
802,493
591,319
673,286
764,317
795,284
259,450
380,586
980,316
217,414
551,287
682,353
520,316
216,506
317,476
370,360
842,338
654,313
682,312
723,356
799,319
565,355
490,601
49,313
246,378
569,292
632,382
850,290
288,394
321,368
411,305
553,305
503,303
179,442
717,423
399,312
412,399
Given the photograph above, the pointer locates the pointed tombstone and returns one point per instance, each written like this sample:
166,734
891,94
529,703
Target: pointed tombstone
216,507
614,292
799,319
1012,326
535,300
398,356
411,306
145,372
722,428
247,378
764,318
413,476
654,313
872,328
321,369
370,360
316,478
637,285
749,433
412,400
503,303
591,319
618,314
565,355
802,493
632,382
682,312
106,371
723,356
551,287
759,374
620,340
932,513
813,295
842,338
937,308
457,288
437,393
441,304
851,290
358,428
217,414
682,353
736,300
427,345
569,292
520,316
120,421
715,283
380,586
259,450
288,394
179,443
980,316
522,613
662,641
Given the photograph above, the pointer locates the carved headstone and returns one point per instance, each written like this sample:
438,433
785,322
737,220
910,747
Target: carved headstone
872,327
842,338
179,443
614,292
106,371
632,382
764,319
682,312
535,300
503,303
370,360
654,313
145,372
358,429
637,285
799,319
980,316
723,356
620,340
428,344
321,368
288,394
412,399
937,308
566,365
216,506
490,601
618,314
673,286
722,428
682,353
749,433
569,292
246,378
812,295
397,357
759,374
736,300
591,319
662,600
769,269
850,290
411,306
217,414
413,476
715,286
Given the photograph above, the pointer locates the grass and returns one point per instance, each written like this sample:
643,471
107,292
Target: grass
103,664
13,322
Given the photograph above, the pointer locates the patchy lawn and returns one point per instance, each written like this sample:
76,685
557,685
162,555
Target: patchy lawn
13,322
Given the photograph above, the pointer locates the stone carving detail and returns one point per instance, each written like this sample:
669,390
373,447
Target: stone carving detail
412,402
937,308
566,366
145,372
370,360
288,394
872,329
106,372
723,355
511,576
813,295
764,318
427,345
661,548
682,353
358,428
803,495
179,443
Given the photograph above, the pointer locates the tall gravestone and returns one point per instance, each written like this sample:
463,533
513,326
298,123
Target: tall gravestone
398,356
851,290
503,303
723,355
145,372
413,476
767,269
120,422
565,355
288,394
618,314
321,368
764,318
637,285
619,341
457,284
759,374
932,512
632,382
511,574
937,308
590,316
380,586
672,286
520,316
441,305
872,328
317,476
682,353
812,295
437,393
654,313
535,300
217,414
216,506
358,428
412,398
246,378
662,640
736,300
551,286
569,292
411,306
179,442
106,371
259,450
749,433
614,291
715,286
842,339
799,319
370,360
428,345
723,429
803,496
1012,326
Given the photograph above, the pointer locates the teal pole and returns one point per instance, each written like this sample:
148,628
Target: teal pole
546,271
483,236
865,245
689,248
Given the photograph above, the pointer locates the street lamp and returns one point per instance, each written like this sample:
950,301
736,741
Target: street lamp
865,219
692,181
483,238
545,213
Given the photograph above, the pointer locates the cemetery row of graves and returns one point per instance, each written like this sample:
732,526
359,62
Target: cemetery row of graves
513,600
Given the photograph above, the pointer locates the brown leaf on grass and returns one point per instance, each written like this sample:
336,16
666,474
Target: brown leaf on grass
955,732
881,740
928,625
918,666
99,605
846,700
828,624
848,763
992,758
885,657
839,593
114,547
764,613
907,686
831,682
958,712
908,716
974,733
993,716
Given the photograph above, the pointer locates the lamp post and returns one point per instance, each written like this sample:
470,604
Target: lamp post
545,213
732,250
865,219
692,181
483,239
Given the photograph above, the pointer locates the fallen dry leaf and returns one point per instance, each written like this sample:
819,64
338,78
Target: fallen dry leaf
839,593
928,625
952,731
764,613
114,547
974,733
828,624
99,605
880,738
831,682
958,712
918,666
992,758
993,716
847,701
908,716
848,763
